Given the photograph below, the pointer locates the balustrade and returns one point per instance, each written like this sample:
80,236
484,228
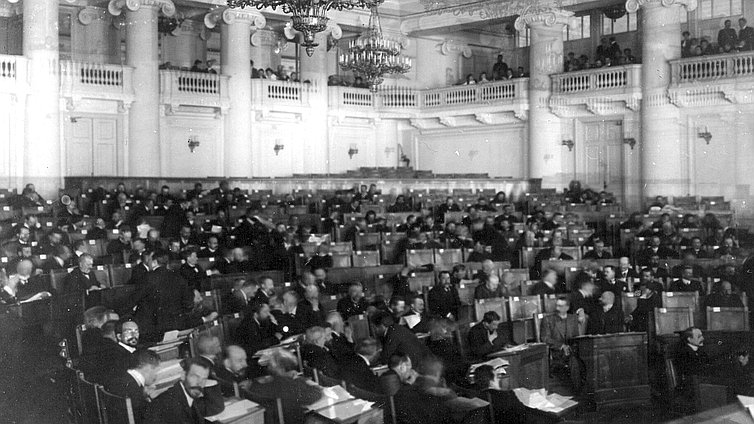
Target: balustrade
709,68
97,80
286,92
193,88
12,73
613,78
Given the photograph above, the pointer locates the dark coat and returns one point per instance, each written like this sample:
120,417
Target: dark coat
479,343
401,341
443,302
76,281
193,275
354,370
162,301
171,407
321,359
138,275
601,322
253,336
694,286
347,308
125,386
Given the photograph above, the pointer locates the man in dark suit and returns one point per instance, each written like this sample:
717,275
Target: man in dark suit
691,358
296,318
135,382
162,301
81,278
353,304
727,35
257,330
191,271
745,36
687,283
226,264
231,370
415,318
189,400
443,298
57,260
139,271
608,319
397,339
584,297
316,355
655,249
241,296
107,359
487,336
611,284
412,404
355,369
549,284
625,272
598,252
117,247
559,329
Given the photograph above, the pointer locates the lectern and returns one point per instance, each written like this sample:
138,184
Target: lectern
615,366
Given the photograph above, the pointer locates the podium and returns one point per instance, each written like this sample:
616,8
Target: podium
615,366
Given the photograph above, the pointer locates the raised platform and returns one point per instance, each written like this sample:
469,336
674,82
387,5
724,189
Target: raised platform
513,188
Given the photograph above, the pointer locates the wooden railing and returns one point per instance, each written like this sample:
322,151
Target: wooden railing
193,88
292,93
96,80
709,68
12,73
616,77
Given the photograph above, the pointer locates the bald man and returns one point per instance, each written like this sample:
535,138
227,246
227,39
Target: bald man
607,319
231,370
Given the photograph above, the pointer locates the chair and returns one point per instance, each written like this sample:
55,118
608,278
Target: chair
367,241
419,258
448,257
73,394
548,302
366,258
727,319
90,401
115,409
538,318
482,306
672,320
230,324
466,292
103,275
120,274
360,326
341,260
629,302
520,310
417,281
211,300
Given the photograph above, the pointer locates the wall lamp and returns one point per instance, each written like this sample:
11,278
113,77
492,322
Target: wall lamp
630,141
706,135
193,143
569,144
353,151
278,147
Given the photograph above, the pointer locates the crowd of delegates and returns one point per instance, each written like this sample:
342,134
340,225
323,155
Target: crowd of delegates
608,54
728,41
423,374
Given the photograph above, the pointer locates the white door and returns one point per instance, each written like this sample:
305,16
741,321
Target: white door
91,147
604,156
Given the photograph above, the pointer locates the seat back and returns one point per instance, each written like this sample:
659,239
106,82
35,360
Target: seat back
523,307
367,241
365,258
538,318
341,260
629,302
120,274
417,281
115,409
360,326
230,324
448,257
482,306
727,319
548,303
466,292
680,300
418,258
672,320
90,401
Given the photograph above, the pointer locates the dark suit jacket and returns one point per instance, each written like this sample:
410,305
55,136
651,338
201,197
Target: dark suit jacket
420,327
601,322
51,265
171,407
679,286
224,267
298,323
161,301
644,307
593,255
321,359
226,379
413,406
479,342
253,336
542,288
75,281
138,275
553,334
443,302
401,341
578,301
689,363
193,276
106,361
347,308
125,386
354,370
295,394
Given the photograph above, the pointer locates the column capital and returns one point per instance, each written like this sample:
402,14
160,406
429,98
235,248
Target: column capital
633,5
542,14
451,47
90,14
10,8
116,6
231,16
333,29
264,38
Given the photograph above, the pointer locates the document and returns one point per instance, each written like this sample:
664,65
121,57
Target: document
233,409
539,399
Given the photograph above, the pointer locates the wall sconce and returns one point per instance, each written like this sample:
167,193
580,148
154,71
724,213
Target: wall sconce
706,135
630,141
193,143
569,144
352,151
278,147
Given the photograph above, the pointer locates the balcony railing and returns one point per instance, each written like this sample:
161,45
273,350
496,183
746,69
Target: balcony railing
96,80
601,79
403,97
711,68
193,89
13,73
266,91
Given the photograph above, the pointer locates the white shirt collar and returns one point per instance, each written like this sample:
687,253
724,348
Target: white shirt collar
694,348
131,349
9,290
138,377
365,359
189,399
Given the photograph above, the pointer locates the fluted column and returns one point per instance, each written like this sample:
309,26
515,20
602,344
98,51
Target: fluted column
545,58
93,37
235,57
187,44
42,153
663,149
142,55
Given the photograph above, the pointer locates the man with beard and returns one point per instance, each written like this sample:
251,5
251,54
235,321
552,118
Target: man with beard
231,370
137,381
127,333
257,330
189,400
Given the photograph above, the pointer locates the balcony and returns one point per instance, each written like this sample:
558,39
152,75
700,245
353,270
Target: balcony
712,80
82,80
197,89
600,91
265,93
13,74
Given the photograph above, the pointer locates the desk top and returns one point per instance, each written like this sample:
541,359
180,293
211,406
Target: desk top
519,349
733,413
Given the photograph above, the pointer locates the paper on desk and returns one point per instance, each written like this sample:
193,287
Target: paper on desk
412,320
748,403
233,409
539,399
330,396
345,410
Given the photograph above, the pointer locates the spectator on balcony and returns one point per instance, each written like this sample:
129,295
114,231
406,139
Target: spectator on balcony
470,80
270,74
499,69
261,73
727,35
584,62
483,78
745,36
212,66
697,51
198,66
706,47
166,65
603,50
726,48
686,44
509,75
614,50
630,58
569,60
521,73
358,82
254,72
294,77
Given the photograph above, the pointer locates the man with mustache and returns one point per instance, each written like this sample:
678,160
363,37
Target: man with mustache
189,400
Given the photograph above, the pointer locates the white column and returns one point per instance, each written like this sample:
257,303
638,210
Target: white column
142,55
42,152
264,42
93,37
235,57
662,140
187,44
545,58
315,67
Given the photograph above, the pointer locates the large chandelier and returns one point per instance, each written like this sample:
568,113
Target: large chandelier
373,55
309,16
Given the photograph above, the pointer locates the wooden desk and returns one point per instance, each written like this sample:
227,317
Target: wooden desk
732,413
529,365
239,411
346,412
616,367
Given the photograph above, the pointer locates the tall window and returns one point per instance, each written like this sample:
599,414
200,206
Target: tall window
522,38
579,30
627,23
709,9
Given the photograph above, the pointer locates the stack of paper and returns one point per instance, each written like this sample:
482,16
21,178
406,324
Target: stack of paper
330,396
748,403
343,411
539,399
233,409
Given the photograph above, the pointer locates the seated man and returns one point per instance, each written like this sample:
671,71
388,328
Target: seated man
413,405
649,300
443,298
81,278
241,297
315,355
355,369
189,400
558,330
257,330
353,304
137,382
599,251
691,358
397,339
490,289
231,370
505,404
208,347
549,284
687,283
487,336
415,319
295,317
127,333
107,359
724,297
608,319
